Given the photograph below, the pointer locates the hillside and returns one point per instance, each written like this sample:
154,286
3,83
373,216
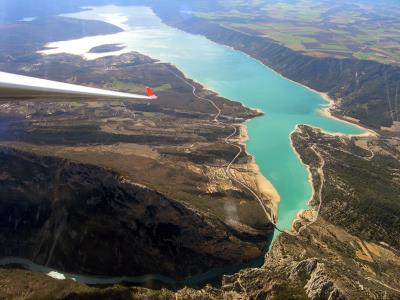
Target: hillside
324,258
364,90
127,188
83,219
171,147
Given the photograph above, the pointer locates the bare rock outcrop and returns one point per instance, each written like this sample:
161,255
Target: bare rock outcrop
320,286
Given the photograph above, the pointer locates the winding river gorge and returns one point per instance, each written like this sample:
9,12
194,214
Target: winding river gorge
233,75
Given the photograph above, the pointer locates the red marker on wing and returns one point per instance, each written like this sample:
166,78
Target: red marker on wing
16,85
150,93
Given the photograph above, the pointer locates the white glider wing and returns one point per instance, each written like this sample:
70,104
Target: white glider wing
13,85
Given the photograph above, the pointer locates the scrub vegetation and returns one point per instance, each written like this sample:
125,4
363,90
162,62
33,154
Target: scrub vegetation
171,146
167,156
362,187
151,177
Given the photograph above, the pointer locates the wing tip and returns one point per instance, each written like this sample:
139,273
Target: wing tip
150,93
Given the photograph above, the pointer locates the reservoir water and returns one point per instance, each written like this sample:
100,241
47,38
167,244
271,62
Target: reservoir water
233,75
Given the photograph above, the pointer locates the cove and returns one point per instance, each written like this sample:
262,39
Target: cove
233,75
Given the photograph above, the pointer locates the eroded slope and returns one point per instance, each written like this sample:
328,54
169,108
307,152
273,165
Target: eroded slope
84,219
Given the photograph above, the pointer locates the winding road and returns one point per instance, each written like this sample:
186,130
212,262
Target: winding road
240,150
234,179
228,142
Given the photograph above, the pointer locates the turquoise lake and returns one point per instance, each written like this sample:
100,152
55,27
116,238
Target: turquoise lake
235,76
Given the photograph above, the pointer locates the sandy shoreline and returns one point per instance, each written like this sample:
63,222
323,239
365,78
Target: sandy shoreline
327,112
309,177
264,186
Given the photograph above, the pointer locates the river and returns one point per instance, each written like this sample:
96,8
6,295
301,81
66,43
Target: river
233,75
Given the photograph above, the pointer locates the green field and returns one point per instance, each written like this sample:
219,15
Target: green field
362,29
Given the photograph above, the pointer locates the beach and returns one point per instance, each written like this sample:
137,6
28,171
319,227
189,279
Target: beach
264,187
327,112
